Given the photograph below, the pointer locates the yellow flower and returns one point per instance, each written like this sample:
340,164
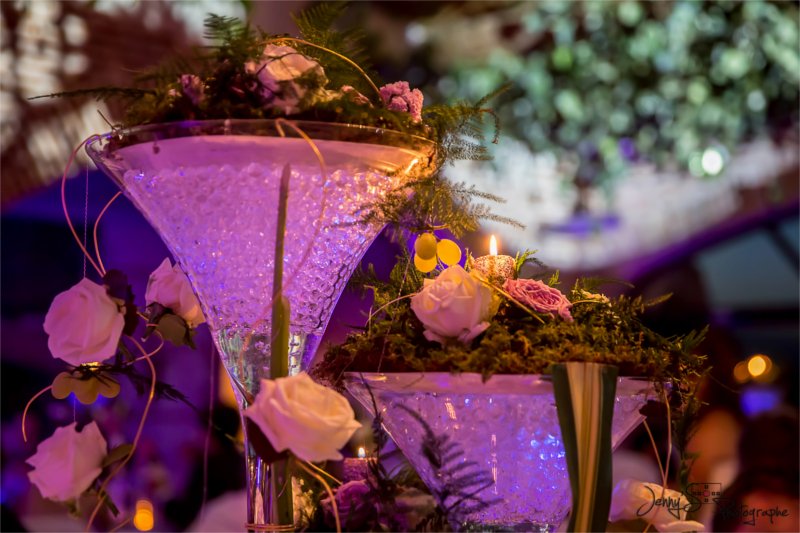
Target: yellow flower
429,251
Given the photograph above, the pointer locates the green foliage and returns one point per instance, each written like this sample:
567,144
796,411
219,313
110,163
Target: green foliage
460,480
229,87
609,82
523,258
315,24
100,93
516,342
436,202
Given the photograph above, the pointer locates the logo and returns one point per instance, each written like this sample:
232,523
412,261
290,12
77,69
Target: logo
700,494
674,506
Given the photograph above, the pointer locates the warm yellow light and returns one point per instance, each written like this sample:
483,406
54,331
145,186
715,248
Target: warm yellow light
493,245
740,372
411,165
758,365
144,520
225,390
362,453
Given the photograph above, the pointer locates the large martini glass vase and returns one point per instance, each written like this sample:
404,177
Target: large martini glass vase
210,189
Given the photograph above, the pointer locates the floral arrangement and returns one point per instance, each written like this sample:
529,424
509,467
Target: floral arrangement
89,324
247,74
457,320
433,314
323,75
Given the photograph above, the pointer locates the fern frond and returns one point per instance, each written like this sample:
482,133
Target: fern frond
220,28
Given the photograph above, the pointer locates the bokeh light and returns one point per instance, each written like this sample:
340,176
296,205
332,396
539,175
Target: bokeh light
712,161
759,365
143,519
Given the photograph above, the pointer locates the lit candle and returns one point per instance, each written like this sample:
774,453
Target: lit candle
357,468
497,268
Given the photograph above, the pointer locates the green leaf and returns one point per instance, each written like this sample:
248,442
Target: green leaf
85,384
73,509
62,386
658,300
173,328
525,257
117,454
585,394
108,503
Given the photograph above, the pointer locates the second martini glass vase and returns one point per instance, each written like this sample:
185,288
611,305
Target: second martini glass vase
210,189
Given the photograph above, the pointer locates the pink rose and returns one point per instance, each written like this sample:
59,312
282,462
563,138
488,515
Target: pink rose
398,96
353,506
539,296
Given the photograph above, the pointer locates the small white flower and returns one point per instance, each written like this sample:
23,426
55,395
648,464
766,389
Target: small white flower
602,298
277,71
665,509
455,305
170,287
297,414
83,324
67,463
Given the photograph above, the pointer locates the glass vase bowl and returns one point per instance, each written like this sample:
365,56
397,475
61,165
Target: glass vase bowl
490,452
210,189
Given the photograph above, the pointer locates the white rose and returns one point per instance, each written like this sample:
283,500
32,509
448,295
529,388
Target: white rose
633,500
170,287
67,463
84,324
311,421
454,305
278,68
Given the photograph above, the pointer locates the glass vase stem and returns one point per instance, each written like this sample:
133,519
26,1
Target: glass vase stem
269,499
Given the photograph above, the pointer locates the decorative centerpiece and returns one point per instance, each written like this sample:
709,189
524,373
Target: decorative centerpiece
504,393
268,165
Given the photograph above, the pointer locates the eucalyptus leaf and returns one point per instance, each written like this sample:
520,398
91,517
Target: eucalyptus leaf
173,328
108,503
117,454
62,386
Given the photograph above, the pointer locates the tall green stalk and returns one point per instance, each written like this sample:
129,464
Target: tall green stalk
280,477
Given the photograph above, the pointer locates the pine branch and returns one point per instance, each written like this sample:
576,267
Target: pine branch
99,93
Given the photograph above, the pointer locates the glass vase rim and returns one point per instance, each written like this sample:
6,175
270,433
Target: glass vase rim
239,126
465,382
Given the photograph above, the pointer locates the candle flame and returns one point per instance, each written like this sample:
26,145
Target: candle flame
493,245
362,453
